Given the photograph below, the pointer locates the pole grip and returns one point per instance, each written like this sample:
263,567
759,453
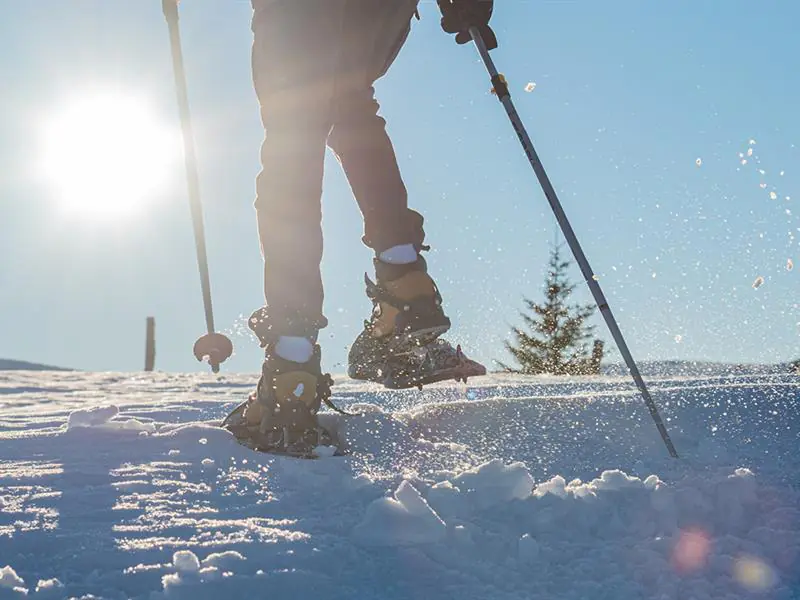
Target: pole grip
170,8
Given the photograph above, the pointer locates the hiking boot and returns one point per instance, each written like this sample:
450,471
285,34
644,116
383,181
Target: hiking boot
282,414
399,346
407,307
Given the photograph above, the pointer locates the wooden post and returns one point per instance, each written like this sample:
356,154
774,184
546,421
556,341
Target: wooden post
150,345
597,357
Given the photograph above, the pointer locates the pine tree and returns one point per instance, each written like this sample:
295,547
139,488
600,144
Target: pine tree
558,340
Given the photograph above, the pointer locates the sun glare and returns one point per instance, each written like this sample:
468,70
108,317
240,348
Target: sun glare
106,154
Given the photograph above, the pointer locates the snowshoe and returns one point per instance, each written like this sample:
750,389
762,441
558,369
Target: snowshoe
281,416
372,359
307,443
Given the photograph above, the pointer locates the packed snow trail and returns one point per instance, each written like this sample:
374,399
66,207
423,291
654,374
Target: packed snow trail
122,486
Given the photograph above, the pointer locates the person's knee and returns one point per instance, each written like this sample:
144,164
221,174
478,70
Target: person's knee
357,124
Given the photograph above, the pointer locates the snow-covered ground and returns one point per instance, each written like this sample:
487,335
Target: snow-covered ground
121,486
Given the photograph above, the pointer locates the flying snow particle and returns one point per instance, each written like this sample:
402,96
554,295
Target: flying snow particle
789,264
782,172
752,142
530,87
758,282
699,162
749,152
763,186
744,161
678,338
773,196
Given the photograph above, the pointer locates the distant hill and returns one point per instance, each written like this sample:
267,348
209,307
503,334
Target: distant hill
21,365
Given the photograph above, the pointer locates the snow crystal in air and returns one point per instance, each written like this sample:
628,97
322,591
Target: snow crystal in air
678,339
789,264
762,185
749,152
207,462
752,142
699,162
773,196
530,87
758,282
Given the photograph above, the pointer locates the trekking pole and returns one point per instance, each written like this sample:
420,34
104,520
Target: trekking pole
504,95
214,346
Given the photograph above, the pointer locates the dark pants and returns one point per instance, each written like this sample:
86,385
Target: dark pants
314,66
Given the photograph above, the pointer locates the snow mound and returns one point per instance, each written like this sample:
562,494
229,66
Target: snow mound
190,571
613,480
10,580
49,588
405,519
186,562
483,487
223,560
101,417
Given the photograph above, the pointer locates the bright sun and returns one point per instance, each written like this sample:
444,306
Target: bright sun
106,154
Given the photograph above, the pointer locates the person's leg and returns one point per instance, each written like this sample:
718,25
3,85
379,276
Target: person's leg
294,77
374,34
408,298
400,345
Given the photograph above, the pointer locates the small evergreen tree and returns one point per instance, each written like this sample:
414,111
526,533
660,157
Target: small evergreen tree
558,340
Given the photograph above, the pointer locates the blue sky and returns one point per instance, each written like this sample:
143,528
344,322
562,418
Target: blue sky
628,96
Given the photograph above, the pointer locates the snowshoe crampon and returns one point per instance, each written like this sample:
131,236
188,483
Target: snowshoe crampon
311,443
435,362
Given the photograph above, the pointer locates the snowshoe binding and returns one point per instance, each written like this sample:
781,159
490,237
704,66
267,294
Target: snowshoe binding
281,416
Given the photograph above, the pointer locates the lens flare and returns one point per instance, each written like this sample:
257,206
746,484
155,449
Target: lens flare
691,550
754,574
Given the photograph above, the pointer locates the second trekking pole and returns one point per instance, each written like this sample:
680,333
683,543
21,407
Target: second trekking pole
216,347
504,95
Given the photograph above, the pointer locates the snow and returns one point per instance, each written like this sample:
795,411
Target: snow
10,579
122,486
404,519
